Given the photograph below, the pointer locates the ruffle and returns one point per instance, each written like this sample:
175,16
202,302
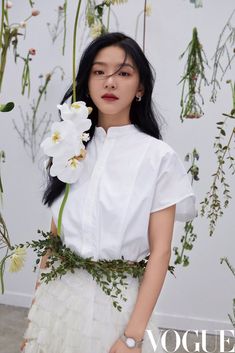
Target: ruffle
74,315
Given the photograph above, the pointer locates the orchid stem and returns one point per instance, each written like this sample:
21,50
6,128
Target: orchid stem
74,50
62,208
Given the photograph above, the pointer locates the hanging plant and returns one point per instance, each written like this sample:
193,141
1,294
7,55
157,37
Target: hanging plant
55,30
189,237
193,76
224,55
146,12
33,129
197,3
9,35
225,259
4,108
212,205
94,17
25,80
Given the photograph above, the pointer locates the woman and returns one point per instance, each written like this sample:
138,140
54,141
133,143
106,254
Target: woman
132,188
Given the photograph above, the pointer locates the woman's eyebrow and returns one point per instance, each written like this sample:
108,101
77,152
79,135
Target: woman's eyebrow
118,65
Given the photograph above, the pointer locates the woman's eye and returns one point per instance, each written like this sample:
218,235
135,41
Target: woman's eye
98,72
123,73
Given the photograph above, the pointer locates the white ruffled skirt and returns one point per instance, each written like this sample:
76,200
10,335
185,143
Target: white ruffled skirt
73,315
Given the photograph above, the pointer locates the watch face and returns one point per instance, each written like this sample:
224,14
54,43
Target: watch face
130,342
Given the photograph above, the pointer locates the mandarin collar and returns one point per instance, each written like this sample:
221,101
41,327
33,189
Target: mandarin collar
114,131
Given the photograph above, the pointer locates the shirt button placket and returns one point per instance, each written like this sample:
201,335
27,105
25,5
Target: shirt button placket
91,225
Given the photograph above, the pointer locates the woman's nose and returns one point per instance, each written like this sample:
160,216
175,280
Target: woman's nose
110,82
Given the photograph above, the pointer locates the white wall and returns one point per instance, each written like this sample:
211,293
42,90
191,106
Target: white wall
201,295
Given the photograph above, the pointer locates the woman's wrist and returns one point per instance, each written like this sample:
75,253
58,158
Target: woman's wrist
37,284
137,335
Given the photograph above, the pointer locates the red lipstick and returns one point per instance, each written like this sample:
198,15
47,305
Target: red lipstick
109,96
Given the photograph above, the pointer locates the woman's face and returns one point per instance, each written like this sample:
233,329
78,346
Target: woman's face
124,84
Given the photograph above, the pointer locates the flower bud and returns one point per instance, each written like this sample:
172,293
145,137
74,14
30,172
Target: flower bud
48,77
9,4
22,24
35,12
32,51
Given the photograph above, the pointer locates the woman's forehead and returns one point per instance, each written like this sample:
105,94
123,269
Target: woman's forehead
113,56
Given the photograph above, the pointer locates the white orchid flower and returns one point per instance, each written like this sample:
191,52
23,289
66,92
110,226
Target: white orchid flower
17,259
65,144
69,169
62,135
77,113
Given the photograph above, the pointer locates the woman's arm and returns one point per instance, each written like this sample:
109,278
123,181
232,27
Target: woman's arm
45,257
161,227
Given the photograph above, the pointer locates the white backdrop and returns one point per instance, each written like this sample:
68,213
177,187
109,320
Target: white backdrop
201,295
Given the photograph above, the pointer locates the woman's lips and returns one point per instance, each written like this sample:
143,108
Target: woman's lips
110,99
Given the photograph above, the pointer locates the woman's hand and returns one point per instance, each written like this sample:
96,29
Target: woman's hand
23,344
120,347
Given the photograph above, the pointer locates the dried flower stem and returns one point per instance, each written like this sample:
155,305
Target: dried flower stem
31,125
4,236
4,244
189,236
225,259
25,80
8,34
193,76
31,3
65,25
55,31
221,49
2,159
142,12
212,200
2,22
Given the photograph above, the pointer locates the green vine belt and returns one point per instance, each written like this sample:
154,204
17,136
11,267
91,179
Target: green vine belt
109,274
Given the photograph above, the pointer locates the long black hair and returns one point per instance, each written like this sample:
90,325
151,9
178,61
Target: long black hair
143,114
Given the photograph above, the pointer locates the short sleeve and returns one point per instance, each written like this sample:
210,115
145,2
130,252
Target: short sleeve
173,187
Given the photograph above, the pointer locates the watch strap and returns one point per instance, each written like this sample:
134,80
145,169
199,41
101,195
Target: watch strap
137,343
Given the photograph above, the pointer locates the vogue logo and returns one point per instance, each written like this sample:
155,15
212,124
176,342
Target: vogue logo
200,342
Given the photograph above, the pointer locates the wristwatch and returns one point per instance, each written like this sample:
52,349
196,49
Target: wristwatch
131,342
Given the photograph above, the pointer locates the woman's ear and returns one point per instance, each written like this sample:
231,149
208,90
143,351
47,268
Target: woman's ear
140,91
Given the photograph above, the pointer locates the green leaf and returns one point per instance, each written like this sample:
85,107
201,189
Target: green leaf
7,107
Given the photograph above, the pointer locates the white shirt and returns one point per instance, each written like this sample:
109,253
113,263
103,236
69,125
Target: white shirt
127,175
